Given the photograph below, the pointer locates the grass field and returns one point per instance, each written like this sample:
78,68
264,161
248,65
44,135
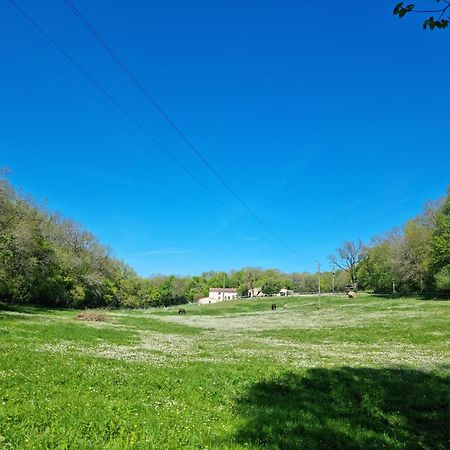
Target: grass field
364,373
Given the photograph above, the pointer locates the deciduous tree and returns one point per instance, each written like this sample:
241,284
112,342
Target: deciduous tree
348,256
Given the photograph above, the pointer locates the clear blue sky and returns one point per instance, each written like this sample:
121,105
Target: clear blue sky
330,119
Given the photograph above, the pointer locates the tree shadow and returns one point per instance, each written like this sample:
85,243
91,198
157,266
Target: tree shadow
347,408
438,297
24,309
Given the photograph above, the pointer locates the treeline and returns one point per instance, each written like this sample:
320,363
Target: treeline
46,259
411,259
161,290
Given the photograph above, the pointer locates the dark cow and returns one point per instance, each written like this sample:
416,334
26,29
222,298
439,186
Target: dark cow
274,306
181,311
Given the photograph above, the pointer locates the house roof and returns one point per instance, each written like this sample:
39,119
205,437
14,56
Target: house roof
223,290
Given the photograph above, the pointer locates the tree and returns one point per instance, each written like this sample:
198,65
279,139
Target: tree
440,241
271,287
438,19
442,279
440,246
376,272
411,259
349,255
250,278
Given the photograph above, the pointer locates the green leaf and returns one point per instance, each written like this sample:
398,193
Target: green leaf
397,7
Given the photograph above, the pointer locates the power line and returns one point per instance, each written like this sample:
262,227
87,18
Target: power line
168,119
116,103
123,109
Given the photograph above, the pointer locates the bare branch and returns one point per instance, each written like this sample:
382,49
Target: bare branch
349,255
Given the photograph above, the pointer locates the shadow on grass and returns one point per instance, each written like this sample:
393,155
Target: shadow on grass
24,309
427,297
347,408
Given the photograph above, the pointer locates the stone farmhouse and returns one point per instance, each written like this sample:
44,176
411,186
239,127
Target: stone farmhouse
219,295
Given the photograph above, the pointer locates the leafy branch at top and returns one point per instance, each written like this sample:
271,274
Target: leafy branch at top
436,20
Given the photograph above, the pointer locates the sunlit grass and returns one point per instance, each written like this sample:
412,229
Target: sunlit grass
369,372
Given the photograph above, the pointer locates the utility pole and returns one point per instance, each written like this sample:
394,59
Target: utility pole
223,287
318,274
333,281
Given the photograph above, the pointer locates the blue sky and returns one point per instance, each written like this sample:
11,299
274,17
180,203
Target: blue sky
330,120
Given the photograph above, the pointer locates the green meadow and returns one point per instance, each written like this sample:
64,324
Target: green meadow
370,372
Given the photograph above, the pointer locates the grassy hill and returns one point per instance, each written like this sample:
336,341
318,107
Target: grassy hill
368,372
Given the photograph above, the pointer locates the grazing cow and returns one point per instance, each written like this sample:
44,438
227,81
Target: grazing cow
181,311
274,306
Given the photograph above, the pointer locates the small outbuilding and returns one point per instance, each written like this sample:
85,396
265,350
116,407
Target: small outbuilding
255,292
286,292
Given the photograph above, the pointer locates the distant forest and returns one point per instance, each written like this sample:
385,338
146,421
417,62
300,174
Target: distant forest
46,259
